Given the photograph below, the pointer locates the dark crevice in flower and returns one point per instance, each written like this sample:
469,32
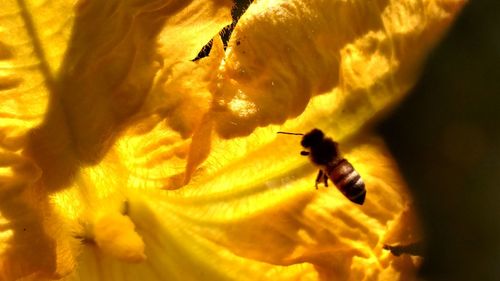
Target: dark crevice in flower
240,6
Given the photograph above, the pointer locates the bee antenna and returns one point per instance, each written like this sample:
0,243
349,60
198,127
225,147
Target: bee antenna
288,133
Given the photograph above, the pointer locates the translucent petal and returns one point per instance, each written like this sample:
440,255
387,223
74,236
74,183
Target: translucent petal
282,53
72,74
33,38
105,119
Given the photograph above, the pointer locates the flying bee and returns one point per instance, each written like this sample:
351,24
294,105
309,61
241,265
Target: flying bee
324,152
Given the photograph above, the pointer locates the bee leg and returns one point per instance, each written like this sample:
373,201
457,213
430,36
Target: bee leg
126,208
318,178
325,179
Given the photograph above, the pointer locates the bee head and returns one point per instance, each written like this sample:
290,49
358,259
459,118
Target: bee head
312,138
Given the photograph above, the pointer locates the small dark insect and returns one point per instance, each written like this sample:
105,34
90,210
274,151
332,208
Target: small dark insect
414,249
324,152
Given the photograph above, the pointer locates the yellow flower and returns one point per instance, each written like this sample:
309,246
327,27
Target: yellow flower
122,159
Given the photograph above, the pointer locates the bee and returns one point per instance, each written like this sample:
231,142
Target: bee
324,152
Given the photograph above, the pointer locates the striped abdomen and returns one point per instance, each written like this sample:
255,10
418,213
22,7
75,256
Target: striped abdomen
347,180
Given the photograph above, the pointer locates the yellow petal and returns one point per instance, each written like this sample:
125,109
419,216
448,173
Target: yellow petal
71,75
109,120
282,53
264,219
33,37
358,58
191,27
